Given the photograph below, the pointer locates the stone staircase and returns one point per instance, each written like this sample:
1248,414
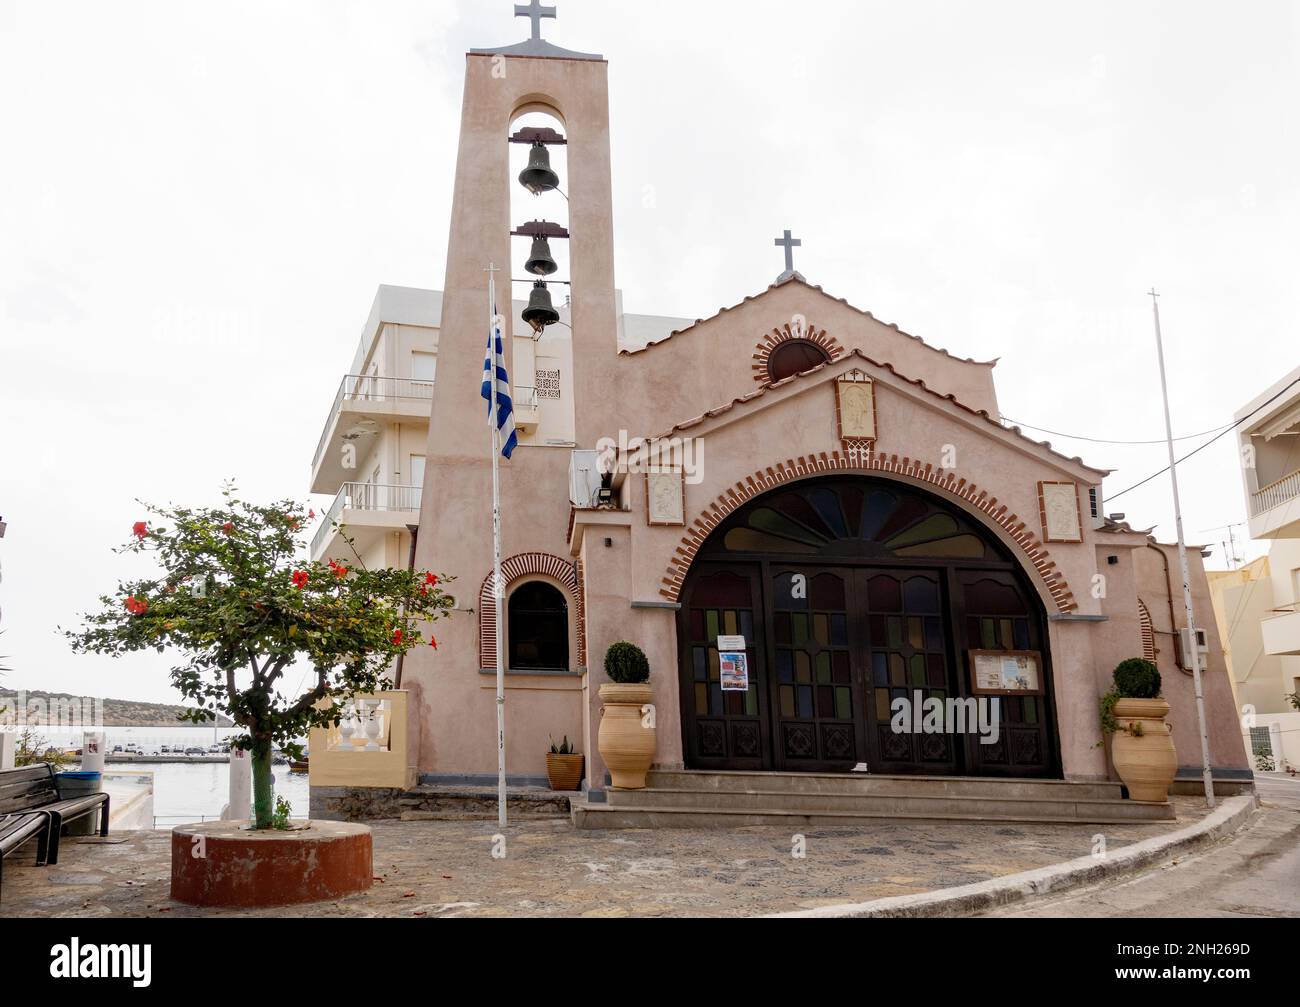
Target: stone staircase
702,799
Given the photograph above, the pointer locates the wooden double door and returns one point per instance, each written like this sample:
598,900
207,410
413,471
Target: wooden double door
832,646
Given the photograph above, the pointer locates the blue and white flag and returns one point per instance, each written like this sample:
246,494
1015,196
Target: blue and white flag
494,362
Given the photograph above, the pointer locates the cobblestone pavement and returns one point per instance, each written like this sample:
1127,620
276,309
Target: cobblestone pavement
430,869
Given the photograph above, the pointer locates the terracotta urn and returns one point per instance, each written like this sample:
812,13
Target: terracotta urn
564,772
1143,749
626,744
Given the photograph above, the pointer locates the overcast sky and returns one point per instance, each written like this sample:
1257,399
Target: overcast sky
197,201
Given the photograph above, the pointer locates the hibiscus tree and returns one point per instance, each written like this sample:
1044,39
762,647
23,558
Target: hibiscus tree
235,597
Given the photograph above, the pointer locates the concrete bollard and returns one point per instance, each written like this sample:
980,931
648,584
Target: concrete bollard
241,787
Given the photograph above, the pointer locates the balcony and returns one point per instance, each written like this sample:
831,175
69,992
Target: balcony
367,512
1275,509
1281,632
527,409
363,406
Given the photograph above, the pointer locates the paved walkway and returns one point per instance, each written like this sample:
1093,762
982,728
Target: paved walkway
1256,873
425,869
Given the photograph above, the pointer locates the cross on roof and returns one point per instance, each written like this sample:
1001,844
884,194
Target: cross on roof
535,12
789,243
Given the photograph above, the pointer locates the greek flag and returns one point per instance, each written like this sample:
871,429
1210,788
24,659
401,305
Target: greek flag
494,360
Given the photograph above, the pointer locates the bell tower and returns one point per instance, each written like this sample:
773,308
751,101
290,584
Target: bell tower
500,85
455,536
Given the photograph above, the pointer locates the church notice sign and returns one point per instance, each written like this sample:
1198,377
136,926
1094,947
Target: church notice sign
734,672
1006,673
734,664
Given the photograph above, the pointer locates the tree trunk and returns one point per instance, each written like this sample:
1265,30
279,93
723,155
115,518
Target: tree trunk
262,806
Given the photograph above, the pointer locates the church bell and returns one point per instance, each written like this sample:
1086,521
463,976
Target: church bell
540,262
540,312
538,177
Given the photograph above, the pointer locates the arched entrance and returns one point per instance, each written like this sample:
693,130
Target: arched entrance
853,593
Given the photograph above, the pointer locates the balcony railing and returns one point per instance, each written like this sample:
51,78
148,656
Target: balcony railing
1275,494
367,497
370,388
525,398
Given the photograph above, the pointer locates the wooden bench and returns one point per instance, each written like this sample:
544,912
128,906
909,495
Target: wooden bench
17,830
35,790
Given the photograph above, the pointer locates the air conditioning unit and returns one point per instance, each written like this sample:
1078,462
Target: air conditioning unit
1184,652
584,478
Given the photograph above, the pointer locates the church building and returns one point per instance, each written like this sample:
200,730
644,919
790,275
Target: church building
837,495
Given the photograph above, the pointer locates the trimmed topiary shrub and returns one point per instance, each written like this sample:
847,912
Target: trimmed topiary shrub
1137,679
626,664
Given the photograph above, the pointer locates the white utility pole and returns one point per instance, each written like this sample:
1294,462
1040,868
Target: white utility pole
1190,647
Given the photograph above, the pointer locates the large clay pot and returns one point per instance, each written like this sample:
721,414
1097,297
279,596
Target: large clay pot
1143,749
627,746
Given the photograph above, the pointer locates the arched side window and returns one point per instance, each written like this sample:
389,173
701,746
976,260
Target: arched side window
517,572
537,628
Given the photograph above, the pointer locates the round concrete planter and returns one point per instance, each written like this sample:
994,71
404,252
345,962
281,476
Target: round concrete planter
225,864
627,747
1143,750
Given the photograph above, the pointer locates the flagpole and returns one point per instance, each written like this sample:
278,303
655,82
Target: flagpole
1190,648
497,588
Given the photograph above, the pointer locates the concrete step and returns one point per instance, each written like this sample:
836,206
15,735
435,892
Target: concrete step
616,816
1063,806
862,784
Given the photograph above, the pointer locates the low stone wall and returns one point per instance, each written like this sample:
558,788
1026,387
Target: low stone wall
355,804
431,803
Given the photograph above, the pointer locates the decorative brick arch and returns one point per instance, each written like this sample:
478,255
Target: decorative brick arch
1035,554
810,334
530,564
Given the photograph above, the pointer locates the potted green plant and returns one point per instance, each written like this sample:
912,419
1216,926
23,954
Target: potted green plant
1143,748
627,729
564,766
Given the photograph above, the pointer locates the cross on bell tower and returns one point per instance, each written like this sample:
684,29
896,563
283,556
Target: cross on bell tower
535,12
789,243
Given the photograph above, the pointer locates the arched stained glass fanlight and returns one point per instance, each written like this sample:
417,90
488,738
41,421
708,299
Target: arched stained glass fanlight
880,520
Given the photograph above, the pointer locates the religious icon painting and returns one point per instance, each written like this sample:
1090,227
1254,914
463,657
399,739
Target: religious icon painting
1058,508
855,410
665,498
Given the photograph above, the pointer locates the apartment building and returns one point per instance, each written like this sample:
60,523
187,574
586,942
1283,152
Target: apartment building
1258,606
370,460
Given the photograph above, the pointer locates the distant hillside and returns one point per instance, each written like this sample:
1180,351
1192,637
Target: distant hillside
117,712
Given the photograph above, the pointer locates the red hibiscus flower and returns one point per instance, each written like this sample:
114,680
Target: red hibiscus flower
136,606
433,642
300,578
430,579
311,515
228,527
140,530
397,638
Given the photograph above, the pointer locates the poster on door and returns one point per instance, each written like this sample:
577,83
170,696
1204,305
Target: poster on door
734,672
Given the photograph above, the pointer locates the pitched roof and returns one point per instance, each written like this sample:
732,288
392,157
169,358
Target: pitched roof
915,382
797,278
